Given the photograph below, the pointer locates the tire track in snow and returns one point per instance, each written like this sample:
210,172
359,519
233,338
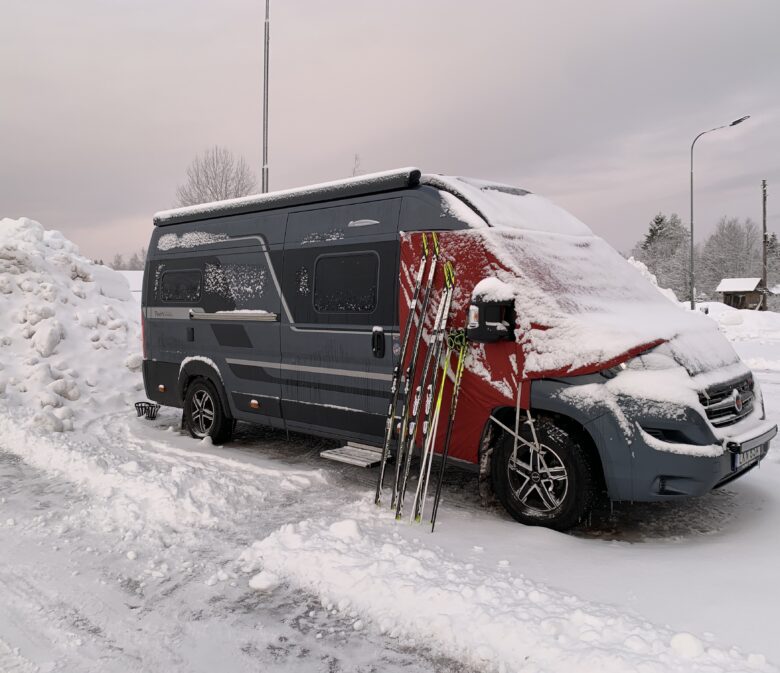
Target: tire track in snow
11,661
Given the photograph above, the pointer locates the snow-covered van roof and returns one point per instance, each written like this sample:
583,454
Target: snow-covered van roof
372,183
738,285
499,205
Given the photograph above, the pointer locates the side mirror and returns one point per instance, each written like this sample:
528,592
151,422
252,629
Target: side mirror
491,321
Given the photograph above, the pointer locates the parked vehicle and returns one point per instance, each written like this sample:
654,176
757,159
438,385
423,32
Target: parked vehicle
284,310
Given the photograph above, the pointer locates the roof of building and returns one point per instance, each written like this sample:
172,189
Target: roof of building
738,285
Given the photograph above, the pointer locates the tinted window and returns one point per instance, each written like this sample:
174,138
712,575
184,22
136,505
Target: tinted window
180,286
346,283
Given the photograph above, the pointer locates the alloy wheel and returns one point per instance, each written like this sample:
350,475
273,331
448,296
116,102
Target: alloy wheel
202,412
537,477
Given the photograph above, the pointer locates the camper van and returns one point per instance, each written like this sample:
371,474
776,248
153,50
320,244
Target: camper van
581,378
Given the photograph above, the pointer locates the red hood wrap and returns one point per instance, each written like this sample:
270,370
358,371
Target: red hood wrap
493,371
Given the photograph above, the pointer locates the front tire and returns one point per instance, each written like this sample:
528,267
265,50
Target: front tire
552,486
204,415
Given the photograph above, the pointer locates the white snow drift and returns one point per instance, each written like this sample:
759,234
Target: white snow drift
70,339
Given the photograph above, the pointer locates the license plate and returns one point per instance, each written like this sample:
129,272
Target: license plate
746,457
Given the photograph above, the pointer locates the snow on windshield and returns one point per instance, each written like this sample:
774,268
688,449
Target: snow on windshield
505,206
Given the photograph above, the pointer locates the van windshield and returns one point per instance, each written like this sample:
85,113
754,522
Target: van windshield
504,206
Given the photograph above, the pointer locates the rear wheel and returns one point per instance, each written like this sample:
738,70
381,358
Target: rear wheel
204,415
550,482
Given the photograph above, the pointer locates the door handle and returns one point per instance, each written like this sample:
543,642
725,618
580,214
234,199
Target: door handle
378,342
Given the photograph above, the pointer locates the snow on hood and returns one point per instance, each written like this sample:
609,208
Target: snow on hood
60,310
580,303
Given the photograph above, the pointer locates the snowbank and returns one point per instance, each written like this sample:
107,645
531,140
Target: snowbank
493,620
70,336
744,325
135,280
650,278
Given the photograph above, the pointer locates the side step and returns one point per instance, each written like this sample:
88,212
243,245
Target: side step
353,453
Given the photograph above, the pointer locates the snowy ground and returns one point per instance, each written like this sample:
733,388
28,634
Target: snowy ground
127,546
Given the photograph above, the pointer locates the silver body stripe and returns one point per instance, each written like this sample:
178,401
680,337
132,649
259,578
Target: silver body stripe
312,370
331,406
236,316
167,312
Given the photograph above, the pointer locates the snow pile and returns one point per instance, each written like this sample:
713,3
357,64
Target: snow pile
650,278
491,619
743,324
70,335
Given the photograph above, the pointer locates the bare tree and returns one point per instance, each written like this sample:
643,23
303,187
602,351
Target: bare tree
356,166
214,176
133,263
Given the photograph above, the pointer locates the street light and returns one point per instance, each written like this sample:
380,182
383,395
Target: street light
264,175
717,128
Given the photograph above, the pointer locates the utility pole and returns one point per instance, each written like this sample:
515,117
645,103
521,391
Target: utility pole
764,239
265,98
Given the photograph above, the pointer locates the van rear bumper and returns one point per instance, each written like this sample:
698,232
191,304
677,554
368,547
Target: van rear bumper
164,374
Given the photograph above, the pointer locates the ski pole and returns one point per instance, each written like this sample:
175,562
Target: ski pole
459,340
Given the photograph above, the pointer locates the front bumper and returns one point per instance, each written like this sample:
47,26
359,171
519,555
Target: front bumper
664,475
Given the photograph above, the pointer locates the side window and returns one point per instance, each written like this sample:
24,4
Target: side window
346,283
239,281
235,286
180,286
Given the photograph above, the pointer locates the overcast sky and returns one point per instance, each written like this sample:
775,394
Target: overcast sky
103,103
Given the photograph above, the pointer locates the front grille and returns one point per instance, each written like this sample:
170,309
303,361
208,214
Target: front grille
719,401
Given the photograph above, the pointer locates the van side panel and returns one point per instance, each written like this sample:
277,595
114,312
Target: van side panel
340,281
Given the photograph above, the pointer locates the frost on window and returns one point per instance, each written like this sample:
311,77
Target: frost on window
323,236
241,284
157,273
346,283
191,239
302,280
